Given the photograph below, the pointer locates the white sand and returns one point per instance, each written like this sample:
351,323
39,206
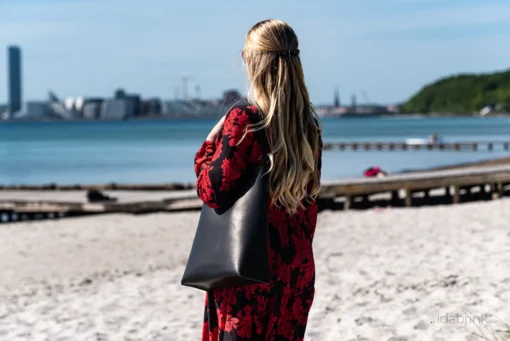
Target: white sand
381,275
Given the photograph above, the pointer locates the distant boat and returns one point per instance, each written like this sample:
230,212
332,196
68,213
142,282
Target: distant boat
421,141
485,111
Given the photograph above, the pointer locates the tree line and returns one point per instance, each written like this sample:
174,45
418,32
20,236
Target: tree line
461,94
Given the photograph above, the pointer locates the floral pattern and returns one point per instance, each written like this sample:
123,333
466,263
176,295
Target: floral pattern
271,312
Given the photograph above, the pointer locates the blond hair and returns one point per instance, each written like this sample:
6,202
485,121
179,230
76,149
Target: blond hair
293,129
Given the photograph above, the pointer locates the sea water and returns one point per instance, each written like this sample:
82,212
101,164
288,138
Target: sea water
156,151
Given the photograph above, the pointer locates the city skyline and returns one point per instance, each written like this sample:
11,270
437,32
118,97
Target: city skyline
387,51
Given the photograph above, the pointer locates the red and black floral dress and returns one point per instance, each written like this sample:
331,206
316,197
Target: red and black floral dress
276,311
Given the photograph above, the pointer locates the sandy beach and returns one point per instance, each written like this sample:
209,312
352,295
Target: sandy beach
388,274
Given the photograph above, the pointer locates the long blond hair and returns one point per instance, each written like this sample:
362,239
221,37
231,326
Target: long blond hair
278,89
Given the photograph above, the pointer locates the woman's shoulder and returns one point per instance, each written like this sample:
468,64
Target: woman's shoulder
244,111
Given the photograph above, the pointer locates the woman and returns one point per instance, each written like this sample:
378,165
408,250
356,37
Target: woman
280,120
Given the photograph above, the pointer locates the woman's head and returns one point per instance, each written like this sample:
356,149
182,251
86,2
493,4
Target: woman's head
271,54
263,41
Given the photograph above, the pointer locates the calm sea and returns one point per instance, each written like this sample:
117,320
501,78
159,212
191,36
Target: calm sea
163,151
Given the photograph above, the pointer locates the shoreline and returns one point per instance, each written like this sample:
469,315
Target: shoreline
178,186
450,185
213,117
481,163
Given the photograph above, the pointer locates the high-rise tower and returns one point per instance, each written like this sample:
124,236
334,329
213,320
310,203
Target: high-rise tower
14,79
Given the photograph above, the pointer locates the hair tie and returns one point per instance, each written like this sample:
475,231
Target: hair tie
287,53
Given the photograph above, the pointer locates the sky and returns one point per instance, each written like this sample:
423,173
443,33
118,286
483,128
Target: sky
381,51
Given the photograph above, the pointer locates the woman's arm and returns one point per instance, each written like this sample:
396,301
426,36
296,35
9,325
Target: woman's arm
220,165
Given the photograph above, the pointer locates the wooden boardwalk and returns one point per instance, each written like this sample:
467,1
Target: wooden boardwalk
61,203
102,187
457,185
403,146
454,181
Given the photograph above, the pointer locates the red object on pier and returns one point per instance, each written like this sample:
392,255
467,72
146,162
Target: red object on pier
372,171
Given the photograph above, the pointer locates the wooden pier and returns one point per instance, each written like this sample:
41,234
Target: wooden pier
101,187
423,188
403,146
456,184
30,205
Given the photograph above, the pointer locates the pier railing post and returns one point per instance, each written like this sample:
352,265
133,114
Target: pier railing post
456,194
408,197
394,198
348,202
499,189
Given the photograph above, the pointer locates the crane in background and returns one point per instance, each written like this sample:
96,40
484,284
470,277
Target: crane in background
181,91
185,81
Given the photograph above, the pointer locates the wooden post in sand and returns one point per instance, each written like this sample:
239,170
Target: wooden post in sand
408,197
449,191
348,202
499,189
456,194
394,198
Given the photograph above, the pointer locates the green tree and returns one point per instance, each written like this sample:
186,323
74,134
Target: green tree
462,94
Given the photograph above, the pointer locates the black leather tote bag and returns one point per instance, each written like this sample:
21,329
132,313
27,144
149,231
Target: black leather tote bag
231,244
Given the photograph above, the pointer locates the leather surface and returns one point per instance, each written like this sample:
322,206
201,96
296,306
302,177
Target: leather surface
231,244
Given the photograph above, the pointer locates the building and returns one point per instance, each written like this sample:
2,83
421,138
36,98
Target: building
58,107
336,103
92,108
354,105
35,110
151,106
118,109
134,104
14,79
191,109
231,97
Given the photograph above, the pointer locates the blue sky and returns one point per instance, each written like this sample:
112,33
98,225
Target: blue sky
387,49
